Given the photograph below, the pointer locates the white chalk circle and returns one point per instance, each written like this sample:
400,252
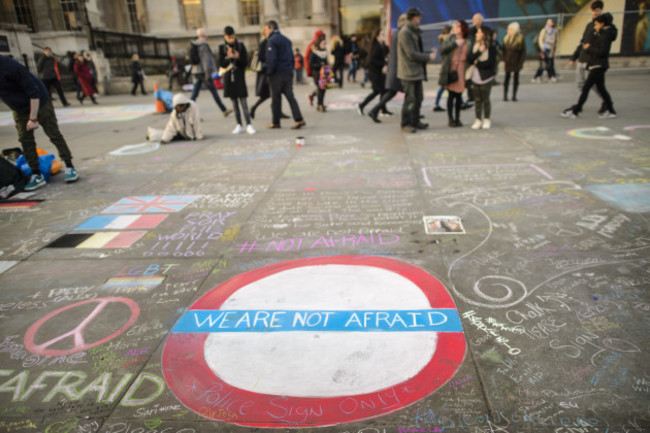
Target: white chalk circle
313,364
136,149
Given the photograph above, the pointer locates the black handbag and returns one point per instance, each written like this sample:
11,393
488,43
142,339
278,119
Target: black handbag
452,77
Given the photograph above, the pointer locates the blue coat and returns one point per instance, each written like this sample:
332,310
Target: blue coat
279,54
18,86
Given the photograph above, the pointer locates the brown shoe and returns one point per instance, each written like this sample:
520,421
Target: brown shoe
299,124
272,126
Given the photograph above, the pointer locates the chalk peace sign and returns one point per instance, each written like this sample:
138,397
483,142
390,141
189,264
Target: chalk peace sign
76,333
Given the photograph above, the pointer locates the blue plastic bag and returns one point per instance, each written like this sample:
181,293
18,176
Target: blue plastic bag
166,97
44,165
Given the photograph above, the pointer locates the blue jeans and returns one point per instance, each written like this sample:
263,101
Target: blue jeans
199,79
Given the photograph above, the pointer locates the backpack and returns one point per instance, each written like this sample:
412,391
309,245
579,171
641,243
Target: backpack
326,79
195,58
12,180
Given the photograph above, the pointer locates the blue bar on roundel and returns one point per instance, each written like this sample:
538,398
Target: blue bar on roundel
215,321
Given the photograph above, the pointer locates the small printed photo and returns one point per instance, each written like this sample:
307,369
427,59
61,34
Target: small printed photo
443,225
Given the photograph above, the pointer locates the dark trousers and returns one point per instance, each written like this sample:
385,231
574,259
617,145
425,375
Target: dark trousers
57,85
318,93
413,96
596,78
482,99
282,84
137,83
547,63
175,76
378,89
47,121
385,98
515,85
454,105
199,80
338,74
244,108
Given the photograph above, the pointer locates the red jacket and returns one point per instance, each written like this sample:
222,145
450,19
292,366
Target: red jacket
308,51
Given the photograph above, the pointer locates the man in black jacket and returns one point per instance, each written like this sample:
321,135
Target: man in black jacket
597,49
580,55
279,68
49,72
31,106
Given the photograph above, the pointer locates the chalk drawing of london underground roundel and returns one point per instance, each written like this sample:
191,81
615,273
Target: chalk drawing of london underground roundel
315,342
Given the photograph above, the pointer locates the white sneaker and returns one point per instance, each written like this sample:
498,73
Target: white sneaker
486,124
607,115
476,124
250,129
569,114
238,130
553,80
536,80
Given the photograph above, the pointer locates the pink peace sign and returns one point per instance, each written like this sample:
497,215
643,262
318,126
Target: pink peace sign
77,333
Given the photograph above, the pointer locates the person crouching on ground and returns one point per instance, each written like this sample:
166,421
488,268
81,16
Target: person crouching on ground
233,59
483,57
184,121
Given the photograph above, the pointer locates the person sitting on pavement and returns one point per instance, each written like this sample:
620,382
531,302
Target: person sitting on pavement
31,106
184,122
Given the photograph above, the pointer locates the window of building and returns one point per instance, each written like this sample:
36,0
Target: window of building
193,13
298,9
136,12
23,13
250,12
70,10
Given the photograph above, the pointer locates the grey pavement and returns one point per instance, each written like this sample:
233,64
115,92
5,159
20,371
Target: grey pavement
242,283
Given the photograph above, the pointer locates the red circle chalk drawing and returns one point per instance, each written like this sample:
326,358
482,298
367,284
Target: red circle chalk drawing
315,342
79,343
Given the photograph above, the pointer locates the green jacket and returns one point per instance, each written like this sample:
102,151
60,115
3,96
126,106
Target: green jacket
411,59
446,51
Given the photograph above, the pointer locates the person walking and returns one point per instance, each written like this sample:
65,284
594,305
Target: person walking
279,68
48,69
514,55
412,70
377,68
175,73
31,106
82,71
233,59
338,52
93,70
482,57
137,75
452,73
298,65
203,68
393,84
547,42
353,67
598,47
317,60
580,56
262,89
317,34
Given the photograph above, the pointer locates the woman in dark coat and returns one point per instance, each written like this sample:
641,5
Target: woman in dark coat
82,71
318,59
514,54
233,58
338,51
376,67
137,75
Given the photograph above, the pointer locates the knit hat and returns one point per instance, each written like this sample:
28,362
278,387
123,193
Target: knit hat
413,12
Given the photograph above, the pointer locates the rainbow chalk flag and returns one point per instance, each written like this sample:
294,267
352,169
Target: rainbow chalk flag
132,284
18,204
